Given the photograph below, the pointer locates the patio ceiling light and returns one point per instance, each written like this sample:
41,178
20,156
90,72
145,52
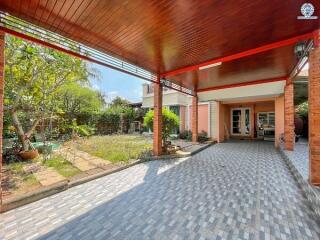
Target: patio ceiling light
210,65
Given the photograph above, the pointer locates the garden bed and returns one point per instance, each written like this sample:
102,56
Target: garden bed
74,160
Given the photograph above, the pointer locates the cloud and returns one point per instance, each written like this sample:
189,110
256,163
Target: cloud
112,93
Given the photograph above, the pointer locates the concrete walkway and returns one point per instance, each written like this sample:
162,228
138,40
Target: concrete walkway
238,190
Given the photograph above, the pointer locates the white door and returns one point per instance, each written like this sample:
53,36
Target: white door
240,121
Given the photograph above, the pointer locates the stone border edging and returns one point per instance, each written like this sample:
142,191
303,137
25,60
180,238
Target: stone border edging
187,154
44,192
61,186
33,196
307,189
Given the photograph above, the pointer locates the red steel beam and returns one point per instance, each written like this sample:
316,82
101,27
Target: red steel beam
264,48
50,45
244,84
61,49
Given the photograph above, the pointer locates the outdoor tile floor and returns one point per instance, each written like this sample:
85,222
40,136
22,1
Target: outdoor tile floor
300,157
236,190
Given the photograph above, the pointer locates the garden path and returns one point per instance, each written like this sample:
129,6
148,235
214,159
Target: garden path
48,176
82,160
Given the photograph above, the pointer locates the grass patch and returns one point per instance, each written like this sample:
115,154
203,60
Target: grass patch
30,180
117,148
19,181
62,166
17,167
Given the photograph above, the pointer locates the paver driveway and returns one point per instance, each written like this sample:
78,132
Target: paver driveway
236,190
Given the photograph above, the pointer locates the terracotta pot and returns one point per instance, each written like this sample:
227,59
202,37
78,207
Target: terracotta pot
27,155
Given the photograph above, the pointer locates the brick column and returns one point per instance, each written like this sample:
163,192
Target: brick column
2,42
289,135
314,114
194,120
279,117
157,120
220,122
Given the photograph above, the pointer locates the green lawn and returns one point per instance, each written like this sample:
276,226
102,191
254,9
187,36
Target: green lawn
117,148
62,166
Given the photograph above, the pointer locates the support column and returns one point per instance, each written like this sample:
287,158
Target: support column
157,120
220,122
195,119
289,135
2,43
314,113
279,119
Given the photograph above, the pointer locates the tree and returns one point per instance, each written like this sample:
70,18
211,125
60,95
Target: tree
170,121
119,102
77,98
33,76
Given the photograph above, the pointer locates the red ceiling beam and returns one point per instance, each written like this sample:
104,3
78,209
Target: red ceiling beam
244,84
264,48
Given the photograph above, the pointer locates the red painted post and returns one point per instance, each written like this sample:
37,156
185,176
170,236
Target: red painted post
289,135
2,43
157,120
314,112
195,119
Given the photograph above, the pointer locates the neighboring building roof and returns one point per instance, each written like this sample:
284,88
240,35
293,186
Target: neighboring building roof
136,105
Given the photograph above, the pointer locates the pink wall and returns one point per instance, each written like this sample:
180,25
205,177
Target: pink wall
202,117
224,119
182,118
221,110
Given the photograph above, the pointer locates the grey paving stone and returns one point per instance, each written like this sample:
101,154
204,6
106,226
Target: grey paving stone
234,190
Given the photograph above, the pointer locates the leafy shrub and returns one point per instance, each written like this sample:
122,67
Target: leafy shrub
186,134
302,109
202,137
108,122
170,121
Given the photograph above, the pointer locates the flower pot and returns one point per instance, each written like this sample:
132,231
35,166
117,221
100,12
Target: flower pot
27,155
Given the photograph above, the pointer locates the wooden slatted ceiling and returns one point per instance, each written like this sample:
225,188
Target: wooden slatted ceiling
162,35
276,64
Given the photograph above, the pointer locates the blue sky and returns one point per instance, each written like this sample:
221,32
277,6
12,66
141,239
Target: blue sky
115,83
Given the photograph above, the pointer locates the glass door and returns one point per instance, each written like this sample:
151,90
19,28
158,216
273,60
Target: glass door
240,121
236,121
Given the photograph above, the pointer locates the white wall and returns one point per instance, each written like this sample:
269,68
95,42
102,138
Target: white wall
213,119
169,98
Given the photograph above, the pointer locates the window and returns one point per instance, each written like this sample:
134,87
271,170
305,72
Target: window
266,119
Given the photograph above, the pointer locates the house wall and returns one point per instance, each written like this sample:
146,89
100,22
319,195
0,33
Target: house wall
213,119
170,97
221,108
223,122
182,118
203,117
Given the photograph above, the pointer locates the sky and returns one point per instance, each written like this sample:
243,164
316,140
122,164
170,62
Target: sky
115,83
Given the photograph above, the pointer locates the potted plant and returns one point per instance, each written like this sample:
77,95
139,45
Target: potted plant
29,154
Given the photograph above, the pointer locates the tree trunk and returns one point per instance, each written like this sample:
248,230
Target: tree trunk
19,130
22,136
